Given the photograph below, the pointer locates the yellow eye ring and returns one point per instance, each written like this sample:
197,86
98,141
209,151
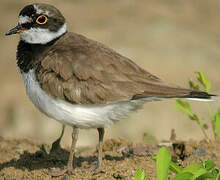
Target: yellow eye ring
42,20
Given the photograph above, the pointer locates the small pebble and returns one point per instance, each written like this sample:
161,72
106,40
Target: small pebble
200,152
66,177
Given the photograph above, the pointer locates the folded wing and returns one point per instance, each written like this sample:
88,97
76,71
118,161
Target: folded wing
87,72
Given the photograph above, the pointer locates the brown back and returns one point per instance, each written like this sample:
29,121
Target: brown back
84,71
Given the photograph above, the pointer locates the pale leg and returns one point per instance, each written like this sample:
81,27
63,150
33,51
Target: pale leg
69,169
101,136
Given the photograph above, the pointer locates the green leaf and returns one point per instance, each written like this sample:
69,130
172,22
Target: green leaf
162,163
140,175
200,172
215,172
217,123
154,158
208,164
192,85
207,176
203,79
214,117
192,167
196,169
183,176
175,168
185,108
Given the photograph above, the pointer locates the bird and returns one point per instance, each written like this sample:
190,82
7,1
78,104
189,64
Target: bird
80,82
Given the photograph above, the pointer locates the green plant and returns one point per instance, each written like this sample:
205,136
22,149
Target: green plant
163,160
140,175
195,171
185,107
216,121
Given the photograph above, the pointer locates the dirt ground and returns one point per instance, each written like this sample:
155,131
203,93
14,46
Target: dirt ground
171,39
24,159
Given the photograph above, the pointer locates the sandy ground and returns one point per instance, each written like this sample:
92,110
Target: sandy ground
23,159
170,39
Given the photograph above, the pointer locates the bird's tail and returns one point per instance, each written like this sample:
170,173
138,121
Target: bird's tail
199,96
196,95
170,91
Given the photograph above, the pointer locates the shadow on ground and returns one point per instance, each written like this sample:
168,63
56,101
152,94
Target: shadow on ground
58,159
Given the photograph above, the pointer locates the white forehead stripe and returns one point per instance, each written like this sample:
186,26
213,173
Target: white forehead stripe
24,19
40,35
40,11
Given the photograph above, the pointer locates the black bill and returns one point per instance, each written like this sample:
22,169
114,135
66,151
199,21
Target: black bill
14,30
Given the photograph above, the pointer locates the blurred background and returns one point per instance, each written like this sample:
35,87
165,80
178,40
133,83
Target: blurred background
172,39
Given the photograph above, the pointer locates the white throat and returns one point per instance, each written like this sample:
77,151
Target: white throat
41,36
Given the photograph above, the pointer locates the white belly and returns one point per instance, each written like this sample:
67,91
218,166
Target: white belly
78,115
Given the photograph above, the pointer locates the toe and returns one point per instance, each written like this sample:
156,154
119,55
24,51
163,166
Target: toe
56,173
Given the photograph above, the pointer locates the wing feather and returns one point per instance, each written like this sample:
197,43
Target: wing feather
84,71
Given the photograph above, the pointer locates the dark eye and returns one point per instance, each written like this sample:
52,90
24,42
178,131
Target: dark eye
42,19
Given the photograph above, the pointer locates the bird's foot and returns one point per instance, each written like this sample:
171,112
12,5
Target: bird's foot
56,173
98,170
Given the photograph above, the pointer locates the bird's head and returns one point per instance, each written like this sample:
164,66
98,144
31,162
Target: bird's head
39,24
